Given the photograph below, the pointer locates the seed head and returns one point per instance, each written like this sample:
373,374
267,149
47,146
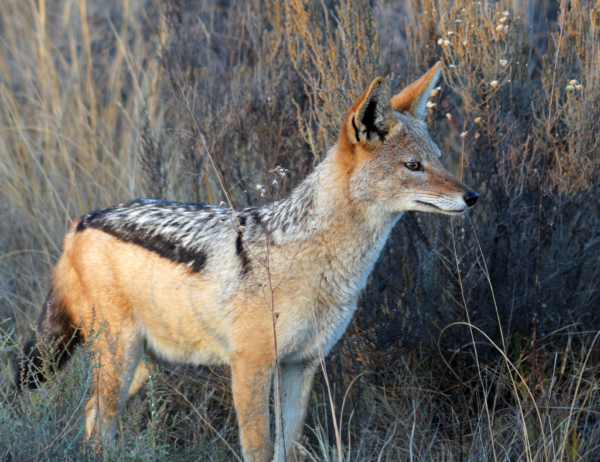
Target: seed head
463,135
430,105
477,120
503,62
446,42
448,116
573,82
579,87
500,28
276,313
494,83
477,135
440,41
570,88
280,170
503,20
434,93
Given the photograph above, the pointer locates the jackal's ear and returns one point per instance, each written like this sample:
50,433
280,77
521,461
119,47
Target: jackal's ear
413,99
371,117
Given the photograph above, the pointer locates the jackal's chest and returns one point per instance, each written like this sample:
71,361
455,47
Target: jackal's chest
311,323
310,335
317,297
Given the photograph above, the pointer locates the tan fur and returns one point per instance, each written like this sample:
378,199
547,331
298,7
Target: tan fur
220,316
408,99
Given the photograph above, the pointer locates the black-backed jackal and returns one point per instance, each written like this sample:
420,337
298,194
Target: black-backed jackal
192,283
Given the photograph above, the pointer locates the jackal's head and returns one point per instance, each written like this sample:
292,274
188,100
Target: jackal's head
389,157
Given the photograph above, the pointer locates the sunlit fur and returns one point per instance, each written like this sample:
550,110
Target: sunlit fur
197,284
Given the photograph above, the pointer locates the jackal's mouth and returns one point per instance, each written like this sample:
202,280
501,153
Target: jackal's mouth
449,212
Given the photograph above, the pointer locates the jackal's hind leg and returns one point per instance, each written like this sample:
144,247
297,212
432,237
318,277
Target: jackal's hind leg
119,354
295,383
141,375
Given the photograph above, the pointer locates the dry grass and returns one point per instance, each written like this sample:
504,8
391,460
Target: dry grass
476,338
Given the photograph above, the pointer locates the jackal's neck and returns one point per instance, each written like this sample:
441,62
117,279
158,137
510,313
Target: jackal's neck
320,212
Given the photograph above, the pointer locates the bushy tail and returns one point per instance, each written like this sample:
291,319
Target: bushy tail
52,343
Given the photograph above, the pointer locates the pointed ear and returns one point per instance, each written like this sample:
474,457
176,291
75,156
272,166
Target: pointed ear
413,99
371,117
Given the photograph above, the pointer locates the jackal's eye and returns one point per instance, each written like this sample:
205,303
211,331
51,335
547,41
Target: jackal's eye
413,166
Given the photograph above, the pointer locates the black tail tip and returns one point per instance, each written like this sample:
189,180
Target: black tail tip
29,372
41,359
50,345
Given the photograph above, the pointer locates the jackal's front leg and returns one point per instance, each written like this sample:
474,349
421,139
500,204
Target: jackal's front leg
251,387
295,383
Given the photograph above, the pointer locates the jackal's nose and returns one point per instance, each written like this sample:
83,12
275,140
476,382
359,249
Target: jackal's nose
471,197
